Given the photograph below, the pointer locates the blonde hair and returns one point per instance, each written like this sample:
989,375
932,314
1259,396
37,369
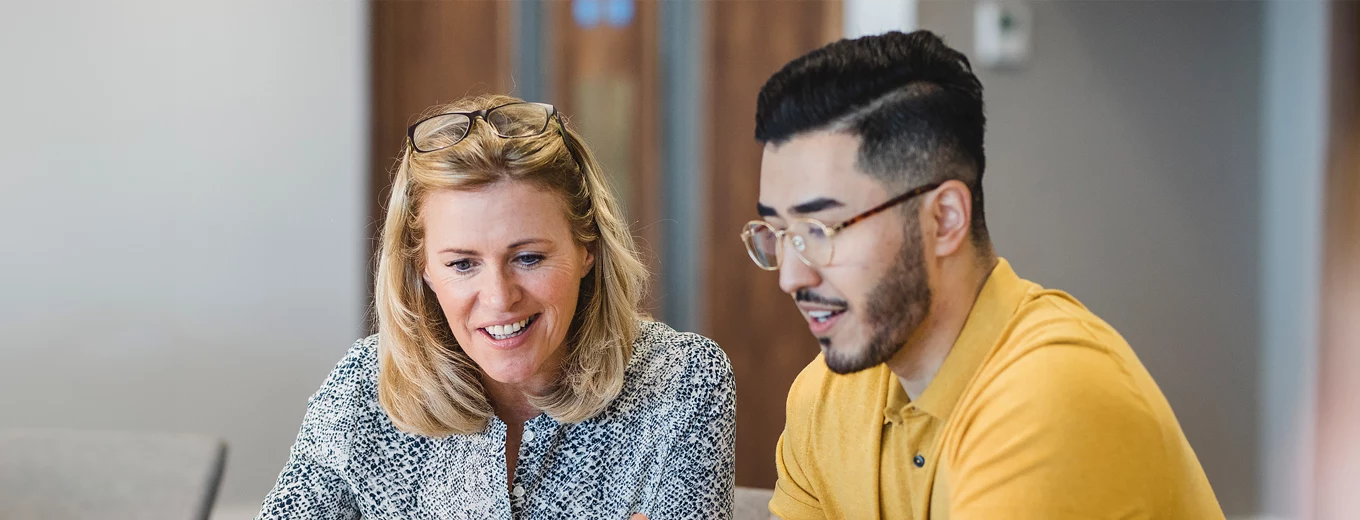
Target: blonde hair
426,382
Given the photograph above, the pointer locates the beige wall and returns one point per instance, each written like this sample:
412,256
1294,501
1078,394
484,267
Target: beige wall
181,196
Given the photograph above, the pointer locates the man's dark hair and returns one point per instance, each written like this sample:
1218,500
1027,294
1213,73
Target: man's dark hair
912,100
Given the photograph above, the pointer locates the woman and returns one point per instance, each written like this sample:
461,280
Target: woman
512,375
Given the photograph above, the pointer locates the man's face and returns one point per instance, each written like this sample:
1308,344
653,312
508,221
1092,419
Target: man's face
865,303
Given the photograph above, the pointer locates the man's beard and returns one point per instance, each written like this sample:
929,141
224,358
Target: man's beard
895,308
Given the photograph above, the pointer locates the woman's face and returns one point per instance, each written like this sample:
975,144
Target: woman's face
507,273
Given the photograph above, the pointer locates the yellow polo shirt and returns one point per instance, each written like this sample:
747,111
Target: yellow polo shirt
1040,411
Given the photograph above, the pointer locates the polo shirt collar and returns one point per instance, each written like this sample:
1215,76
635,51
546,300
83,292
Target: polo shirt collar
996,303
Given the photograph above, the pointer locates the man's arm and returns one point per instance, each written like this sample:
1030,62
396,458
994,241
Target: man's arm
794,498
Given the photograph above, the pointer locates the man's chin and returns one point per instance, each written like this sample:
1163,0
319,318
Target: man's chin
843,360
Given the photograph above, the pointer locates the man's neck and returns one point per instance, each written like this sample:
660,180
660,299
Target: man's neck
961,280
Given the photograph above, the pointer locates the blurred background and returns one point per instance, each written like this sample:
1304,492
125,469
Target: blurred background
189,192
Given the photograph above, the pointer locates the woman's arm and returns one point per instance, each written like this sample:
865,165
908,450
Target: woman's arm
311,484
307,489
698,473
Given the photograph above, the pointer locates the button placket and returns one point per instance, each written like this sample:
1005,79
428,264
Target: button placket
523,468
527,465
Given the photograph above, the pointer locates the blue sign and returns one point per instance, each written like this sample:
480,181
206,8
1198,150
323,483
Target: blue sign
616,13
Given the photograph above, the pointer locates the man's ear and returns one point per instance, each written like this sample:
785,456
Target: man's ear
951,210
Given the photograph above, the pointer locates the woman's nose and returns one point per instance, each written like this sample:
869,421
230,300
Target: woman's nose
501,291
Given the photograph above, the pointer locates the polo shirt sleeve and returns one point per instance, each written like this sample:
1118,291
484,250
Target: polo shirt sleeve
1061,432
794,498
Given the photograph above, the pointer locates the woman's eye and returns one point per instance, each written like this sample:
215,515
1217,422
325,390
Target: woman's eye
461,266
529,260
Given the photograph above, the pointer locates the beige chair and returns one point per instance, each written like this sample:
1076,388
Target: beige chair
76,475
752,503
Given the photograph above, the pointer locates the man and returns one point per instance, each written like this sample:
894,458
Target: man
947,387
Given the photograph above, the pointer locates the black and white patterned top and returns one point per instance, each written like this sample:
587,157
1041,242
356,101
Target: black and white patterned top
663,448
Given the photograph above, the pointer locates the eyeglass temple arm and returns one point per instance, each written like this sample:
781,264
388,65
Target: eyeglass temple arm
881,207
566,141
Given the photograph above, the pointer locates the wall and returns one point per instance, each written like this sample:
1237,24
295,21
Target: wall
1123,168
181,191
1294,112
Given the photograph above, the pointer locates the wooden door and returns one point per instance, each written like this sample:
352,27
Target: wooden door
744,311
426,52
601,58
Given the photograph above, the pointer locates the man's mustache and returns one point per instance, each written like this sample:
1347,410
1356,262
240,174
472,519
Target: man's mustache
806,296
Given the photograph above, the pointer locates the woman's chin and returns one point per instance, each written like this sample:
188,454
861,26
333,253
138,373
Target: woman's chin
509,373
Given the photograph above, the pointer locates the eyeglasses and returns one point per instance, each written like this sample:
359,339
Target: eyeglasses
511,120
811,239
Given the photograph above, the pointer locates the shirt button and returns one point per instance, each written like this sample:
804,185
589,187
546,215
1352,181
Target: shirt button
528,436
518,491
919,460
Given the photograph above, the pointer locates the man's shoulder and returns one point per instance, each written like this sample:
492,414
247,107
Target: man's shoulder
1056,353
1046,316
1062,363
1064,399
1050,325
819,396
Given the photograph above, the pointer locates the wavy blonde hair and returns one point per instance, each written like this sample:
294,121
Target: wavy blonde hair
426,382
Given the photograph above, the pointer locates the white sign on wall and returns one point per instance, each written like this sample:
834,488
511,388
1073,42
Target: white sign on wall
865,17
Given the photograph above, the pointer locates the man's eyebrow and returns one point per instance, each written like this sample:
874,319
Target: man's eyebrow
815,205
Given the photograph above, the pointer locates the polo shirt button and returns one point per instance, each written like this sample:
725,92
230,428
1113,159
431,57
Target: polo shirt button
919,460
518,491
528,436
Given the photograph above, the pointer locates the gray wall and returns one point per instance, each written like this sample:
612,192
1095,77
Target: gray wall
181,195
1123,168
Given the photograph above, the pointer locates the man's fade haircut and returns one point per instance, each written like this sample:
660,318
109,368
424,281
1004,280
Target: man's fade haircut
913,101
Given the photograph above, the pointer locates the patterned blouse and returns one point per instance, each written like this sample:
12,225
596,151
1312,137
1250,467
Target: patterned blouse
663,448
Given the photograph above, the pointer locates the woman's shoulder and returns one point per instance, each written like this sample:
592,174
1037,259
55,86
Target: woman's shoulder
658,343
664,358
352,386
359,368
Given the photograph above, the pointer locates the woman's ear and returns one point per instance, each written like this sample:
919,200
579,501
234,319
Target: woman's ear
589,263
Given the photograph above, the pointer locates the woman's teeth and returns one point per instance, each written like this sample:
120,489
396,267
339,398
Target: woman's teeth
509,331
